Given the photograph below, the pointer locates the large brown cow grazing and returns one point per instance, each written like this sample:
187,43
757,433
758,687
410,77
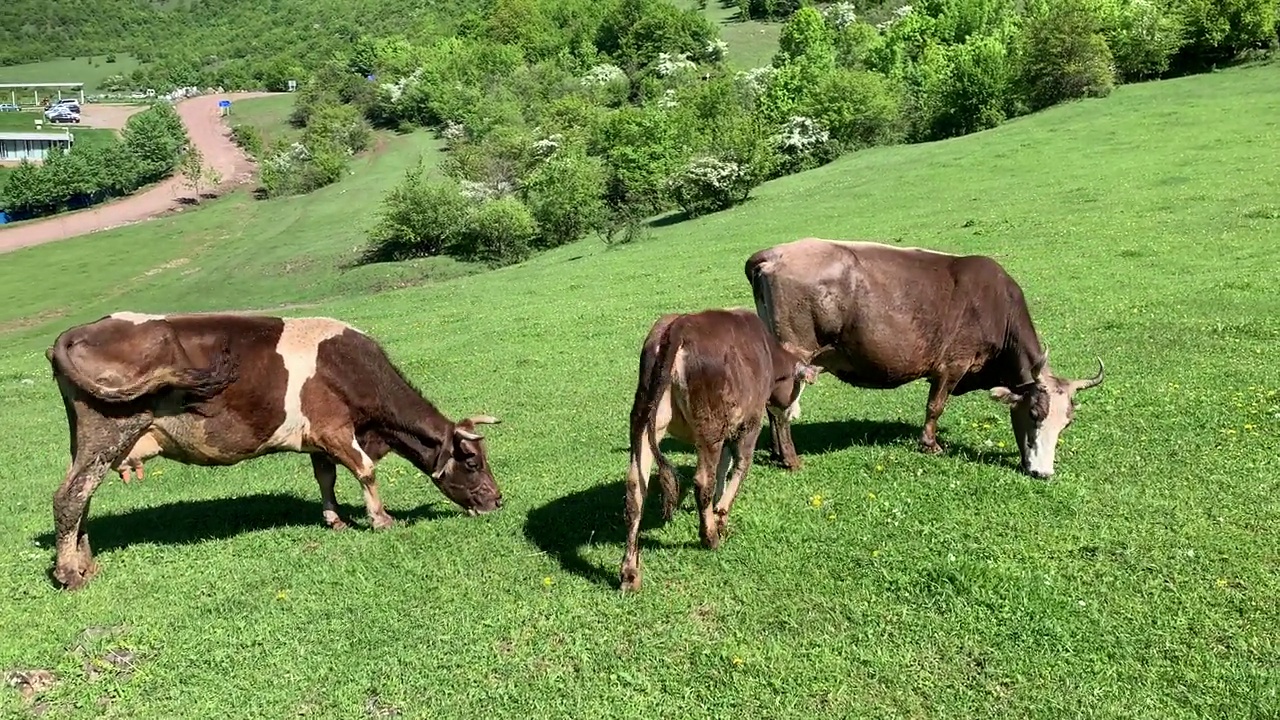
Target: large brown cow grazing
217,389
706,377
880,316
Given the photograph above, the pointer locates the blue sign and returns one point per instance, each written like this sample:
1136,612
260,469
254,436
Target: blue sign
224,103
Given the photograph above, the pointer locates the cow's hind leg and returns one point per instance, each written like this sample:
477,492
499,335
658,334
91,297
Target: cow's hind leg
99,443
639,468
326,472
939,390
704,484
743,449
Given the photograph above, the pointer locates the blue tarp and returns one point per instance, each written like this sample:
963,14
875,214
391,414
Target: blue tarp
3,217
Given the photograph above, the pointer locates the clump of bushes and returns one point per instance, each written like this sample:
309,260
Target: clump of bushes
560,119
150,149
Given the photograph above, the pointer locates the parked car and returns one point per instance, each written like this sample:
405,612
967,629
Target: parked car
65,107
6,107
64,117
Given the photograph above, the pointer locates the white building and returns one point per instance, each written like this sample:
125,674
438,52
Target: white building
18,146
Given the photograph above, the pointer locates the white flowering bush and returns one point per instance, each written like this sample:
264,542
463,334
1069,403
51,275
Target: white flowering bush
708,184
895,18
841,15
547,146
480,190
668,99
603,74
801,136
671,63
716,51
756,79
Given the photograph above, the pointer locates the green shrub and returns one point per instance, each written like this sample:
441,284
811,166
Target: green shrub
565,194
156,138
1064,56
248,138
978,93
498,232
1218,30
1143,36
417,218
806,33
859,108
341,126
642,147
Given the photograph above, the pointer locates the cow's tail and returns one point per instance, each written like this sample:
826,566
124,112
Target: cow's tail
761,290
655,379
199,383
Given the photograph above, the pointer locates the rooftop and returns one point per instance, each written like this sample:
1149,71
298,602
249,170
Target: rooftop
39,85
65,135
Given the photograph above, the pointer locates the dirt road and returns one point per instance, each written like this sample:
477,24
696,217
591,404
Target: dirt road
207,132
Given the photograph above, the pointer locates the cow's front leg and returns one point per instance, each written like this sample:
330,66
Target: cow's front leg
353,457
326,472
783,449
939,390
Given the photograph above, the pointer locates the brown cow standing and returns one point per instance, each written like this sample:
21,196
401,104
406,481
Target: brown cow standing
706,377
880,316
217,389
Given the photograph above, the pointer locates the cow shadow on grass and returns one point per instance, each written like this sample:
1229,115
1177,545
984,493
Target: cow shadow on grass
195,521
564,527
819,438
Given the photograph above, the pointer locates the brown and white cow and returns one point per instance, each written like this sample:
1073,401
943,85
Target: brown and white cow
706,378
881,316
218,389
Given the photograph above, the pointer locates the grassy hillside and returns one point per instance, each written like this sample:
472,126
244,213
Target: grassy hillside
88,70
235,253
876,582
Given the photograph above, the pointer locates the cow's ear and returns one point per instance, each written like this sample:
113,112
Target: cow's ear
807,373
1005,396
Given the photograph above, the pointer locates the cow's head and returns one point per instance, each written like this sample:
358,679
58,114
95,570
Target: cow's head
796,371
1040,411
465,477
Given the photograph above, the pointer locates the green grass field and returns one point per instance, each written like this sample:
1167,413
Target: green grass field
270,115
751,44
88,70
1141,582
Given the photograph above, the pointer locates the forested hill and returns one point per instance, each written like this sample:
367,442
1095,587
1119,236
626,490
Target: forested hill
226,42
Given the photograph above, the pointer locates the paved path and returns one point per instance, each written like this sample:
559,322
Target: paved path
207,132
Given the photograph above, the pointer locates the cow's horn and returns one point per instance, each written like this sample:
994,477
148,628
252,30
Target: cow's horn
1094,381
467,434
483,420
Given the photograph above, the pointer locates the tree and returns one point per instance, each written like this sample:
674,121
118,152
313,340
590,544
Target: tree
193,169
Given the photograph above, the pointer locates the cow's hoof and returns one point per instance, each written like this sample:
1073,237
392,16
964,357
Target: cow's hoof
630,581
930,447
338,524
382,522
722,527
72,579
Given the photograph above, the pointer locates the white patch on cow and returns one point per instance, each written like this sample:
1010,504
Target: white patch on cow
793,410
298,346
135,318
366,462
